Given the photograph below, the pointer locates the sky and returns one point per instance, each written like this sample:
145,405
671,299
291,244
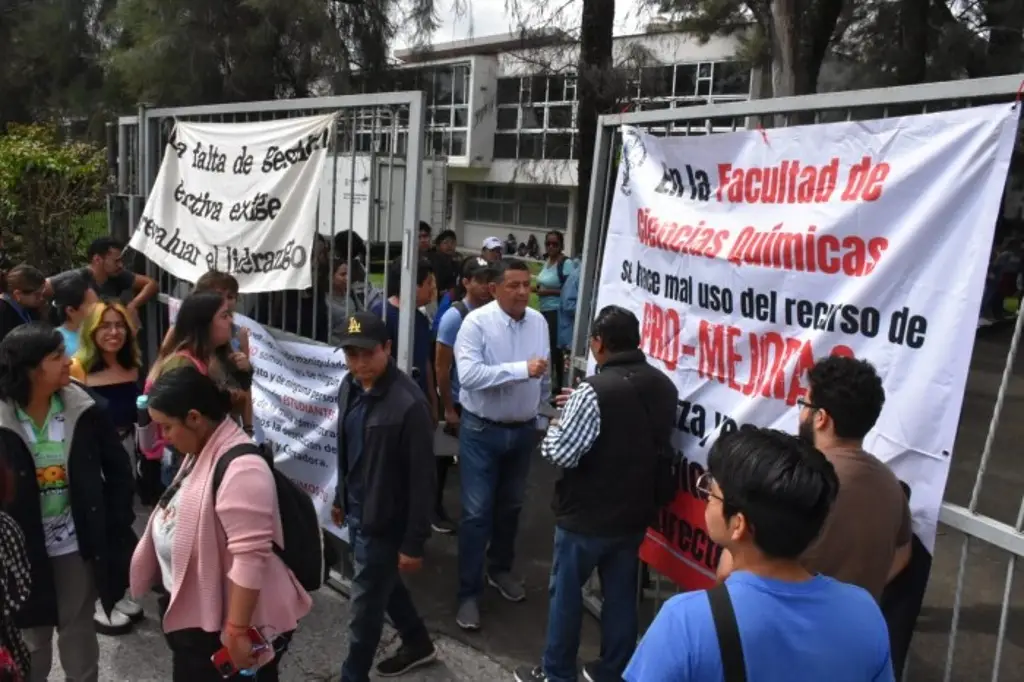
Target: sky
490,17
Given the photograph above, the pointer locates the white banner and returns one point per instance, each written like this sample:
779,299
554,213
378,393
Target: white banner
749,255
240,198
295,400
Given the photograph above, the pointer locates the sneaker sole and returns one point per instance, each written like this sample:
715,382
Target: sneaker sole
113,630
426,660
136,617
587,677
472,627
504,594
440,530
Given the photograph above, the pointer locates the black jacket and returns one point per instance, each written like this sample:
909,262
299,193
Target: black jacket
614,489
9,318
101,488
396,470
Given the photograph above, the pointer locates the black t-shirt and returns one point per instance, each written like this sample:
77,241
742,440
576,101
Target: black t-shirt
117,286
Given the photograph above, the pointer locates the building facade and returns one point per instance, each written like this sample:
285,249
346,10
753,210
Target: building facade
501,114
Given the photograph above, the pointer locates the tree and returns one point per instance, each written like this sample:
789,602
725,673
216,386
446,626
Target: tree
46,188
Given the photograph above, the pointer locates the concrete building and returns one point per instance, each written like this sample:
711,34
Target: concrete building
501,119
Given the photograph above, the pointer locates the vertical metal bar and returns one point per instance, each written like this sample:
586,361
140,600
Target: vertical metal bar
591,237
122,161
352,201
388,204
410,222
336,147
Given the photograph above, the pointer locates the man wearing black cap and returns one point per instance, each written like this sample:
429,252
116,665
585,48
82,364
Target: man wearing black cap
385,496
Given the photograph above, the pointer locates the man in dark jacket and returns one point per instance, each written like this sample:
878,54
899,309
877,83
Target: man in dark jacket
385,496
613,443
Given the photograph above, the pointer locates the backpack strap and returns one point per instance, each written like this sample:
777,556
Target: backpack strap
230,456
729,644
561,271
461,307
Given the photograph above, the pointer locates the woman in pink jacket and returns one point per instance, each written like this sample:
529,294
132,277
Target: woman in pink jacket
212,551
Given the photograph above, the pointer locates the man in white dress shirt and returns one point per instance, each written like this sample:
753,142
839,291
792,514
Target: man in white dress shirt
501,354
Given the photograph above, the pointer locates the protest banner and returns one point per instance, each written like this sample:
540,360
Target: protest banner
295,401
240,198
748,256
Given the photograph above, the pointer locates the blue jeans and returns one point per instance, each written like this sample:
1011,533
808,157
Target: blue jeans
575,558
377,588
494,462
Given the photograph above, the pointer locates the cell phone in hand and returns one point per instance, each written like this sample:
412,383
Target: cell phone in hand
260,648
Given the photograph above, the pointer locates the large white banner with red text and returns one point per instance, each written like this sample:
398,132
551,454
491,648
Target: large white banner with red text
749,255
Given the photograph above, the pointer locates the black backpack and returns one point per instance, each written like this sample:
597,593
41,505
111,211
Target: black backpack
461,307
303,552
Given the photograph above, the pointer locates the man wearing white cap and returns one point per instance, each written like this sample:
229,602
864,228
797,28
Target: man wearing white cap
491,252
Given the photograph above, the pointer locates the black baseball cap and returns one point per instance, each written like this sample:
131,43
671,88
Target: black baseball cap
364,330
476,267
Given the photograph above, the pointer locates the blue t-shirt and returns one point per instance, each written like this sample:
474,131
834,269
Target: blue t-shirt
791,632
447,331
420,340
70,340
548,278
442,307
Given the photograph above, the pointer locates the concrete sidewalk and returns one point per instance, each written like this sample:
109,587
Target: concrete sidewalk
316,653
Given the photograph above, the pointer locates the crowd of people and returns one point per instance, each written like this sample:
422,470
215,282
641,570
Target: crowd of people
816,532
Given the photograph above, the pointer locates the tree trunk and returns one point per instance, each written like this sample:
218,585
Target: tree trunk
913,24
785,48
595,96
1005,19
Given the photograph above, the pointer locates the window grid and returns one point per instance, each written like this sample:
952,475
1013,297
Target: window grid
530,207
536,115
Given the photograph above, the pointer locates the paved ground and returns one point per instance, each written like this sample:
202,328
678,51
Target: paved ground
514,633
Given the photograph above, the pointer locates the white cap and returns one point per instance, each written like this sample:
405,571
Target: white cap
492,243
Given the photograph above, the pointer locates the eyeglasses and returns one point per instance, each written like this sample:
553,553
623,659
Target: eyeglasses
806,403
704,487
553,244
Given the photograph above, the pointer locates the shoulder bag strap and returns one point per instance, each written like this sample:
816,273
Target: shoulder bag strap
731,648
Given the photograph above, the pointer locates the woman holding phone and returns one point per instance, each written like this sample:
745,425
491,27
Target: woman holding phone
212,548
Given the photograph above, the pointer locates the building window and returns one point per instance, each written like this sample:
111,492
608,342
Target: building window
532,207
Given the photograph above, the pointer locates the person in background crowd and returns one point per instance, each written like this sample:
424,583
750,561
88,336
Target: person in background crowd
522,251
532,247
502,356
446,264
219,570
108,362
73,300
768,495
491,251
425,232
350,293
304,313
422,364
476,291
109,278
510,244
384,495
22,296
78,529
548,288
613,441
15,584
204,325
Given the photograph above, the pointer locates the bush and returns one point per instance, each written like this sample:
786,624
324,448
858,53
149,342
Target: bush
50,192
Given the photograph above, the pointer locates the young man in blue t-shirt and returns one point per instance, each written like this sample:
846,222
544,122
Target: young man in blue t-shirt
768,494
475,289
426,290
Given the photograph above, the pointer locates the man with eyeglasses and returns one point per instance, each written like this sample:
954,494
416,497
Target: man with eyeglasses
768,495
613,444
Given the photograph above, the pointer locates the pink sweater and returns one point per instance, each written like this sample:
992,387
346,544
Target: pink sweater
227,539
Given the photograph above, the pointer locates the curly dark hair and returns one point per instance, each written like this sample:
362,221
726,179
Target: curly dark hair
851,391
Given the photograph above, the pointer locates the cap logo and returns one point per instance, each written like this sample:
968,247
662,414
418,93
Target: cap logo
354,327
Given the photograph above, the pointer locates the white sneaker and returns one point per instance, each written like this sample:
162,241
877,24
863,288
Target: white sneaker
130,608
115,624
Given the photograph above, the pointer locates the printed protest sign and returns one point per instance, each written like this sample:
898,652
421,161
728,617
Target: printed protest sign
748,256
240,198
295,401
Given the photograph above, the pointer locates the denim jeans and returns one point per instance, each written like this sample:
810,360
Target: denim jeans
494,462
377,588
575,557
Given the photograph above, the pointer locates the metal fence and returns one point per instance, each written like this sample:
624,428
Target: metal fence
376,156
964,630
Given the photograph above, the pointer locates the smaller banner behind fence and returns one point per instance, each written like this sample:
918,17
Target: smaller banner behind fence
295,400
748,256
240,198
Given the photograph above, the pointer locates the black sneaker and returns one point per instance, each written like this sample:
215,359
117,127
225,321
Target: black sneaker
443,525
528,674
407,658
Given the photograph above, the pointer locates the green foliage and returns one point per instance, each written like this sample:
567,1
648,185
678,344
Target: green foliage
47,188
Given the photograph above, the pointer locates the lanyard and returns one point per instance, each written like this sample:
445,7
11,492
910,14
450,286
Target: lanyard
16,307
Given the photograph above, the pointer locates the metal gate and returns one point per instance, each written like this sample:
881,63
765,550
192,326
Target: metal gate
964,632
375,165
380,136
